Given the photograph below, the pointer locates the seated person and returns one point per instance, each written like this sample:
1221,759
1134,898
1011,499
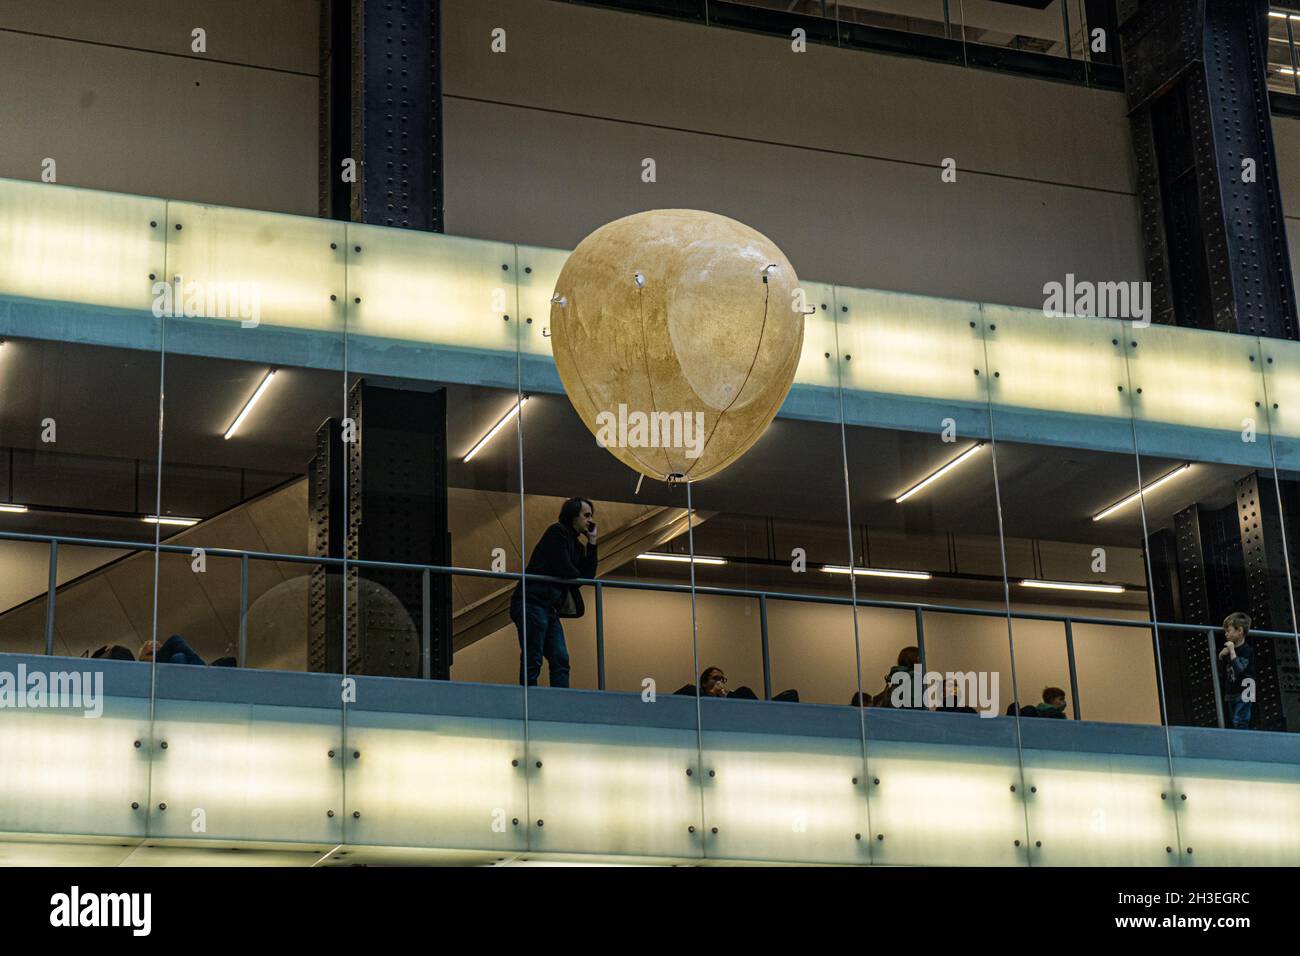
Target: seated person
953,701
224,662
114,652
713,683
173,651
908,659
1053,704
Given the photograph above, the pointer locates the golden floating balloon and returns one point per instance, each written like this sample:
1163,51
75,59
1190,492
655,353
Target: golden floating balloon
676,334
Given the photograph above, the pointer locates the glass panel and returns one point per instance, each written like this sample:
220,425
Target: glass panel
1065,449
82,246
67,778
78,436
926,532
922,16
1214,541
783,776
1014,27
1281,57
254,385
426,288
589,787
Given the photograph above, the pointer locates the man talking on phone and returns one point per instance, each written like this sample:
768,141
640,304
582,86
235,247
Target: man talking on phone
566,550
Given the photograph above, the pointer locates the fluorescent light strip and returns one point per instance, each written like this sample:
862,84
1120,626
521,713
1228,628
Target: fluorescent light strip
14,509
514,410
1138,494
879,572
165,519
680,558
248,406
936,475
1073,586
1281,16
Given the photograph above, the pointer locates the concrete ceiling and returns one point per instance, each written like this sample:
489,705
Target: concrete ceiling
105,404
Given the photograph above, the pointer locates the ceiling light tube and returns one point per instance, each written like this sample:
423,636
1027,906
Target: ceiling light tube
1138,494
248,406
13,509
680,558
1073,586
878,572
168,519
940,473
514,410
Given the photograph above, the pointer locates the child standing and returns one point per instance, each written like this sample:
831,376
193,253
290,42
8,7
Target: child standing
1238,661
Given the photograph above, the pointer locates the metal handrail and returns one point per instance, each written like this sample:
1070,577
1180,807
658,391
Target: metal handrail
918,608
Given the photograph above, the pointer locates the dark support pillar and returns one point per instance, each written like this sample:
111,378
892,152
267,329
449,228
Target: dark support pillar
1268,599
381,105
1183,594
396,510
326,537
1215,238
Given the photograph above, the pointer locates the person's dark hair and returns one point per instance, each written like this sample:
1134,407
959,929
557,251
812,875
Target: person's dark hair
224,662
114,652
1238,619
1051,693
572,508
704,674
909,657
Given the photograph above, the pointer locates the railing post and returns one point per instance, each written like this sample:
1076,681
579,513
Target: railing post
767,652
600,637
920,639
1065,23
426,625
1214,672
49,598
243,610
1074,672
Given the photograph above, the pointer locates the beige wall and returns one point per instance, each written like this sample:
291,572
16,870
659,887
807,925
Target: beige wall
112,92
833,153
812,648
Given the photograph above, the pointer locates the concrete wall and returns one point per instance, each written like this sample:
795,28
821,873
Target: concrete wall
112,91
834,154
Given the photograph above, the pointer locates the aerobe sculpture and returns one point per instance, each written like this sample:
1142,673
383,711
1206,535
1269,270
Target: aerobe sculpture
676,334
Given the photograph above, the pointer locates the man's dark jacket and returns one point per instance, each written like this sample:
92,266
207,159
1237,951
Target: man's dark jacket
559,554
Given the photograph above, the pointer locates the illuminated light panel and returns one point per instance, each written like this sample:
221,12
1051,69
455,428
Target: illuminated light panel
878,572
168,519
1072,586
940,473
505,419
248,406
679,558
1181,469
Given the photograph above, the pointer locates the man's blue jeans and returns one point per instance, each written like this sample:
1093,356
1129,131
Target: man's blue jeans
545,639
